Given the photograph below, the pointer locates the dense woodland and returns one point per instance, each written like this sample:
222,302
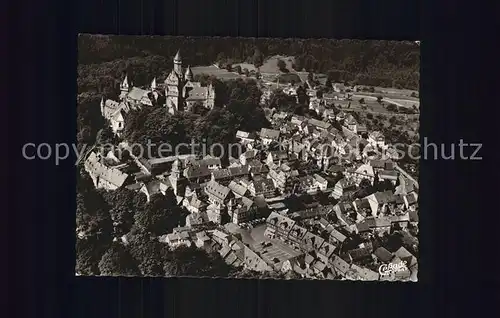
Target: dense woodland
103,59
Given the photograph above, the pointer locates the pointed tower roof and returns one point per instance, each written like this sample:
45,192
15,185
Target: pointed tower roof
125,81
189,73
178,57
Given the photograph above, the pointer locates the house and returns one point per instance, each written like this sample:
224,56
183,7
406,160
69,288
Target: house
336,237
343,187
389,175
248,156
278,178
383,255
109,178
411,200
114,113
321,182
364,171
277,157
269,135
365,273
379,201
340,265
202,240
340,117
325,251
261,186
404,255
197,219
175,240
278,226
299,150
212,163
311,242
376,139
197,173
246,138
339,87
194,205
254,262
307,184
237,189
320,125
217,193
243,210
380,225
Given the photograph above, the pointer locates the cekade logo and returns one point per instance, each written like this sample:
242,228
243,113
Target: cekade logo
388,269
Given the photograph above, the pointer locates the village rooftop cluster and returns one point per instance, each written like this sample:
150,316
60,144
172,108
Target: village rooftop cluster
281,205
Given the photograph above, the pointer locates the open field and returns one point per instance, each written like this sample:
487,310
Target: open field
220,73
270,65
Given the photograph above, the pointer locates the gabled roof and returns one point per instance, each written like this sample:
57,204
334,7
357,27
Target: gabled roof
196,172
216,190
197,93
137,93
263,185
383,254
269,133
244,134
237,188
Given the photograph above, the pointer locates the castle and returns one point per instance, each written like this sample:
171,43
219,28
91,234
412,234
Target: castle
179,90
181,93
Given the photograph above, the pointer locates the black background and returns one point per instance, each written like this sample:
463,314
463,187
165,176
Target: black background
457,268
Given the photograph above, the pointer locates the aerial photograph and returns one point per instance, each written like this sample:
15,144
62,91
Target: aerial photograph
247,158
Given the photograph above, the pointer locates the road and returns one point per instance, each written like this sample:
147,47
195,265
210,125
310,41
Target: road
385,99
404,173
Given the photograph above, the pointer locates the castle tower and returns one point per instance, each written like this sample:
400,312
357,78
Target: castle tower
102,106
173,86
124,86
153,85
178,63
189,74
210,97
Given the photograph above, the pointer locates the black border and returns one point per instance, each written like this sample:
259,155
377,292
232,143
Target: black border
41,195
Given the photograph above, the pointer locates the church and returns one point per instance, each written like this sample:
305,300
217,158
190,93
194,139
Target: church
180,90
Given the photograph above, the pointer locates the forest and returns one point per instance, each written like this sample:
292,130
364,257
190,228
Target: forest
104,59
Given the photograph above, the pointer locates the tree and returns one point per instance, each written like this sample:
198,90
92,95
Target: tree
281,65
302,96
88,254
392,108
282,101
379,98
328,83
148,252
258,58
191,261
319,93
246,72
160,215
413,94
229,68
310,77
361,100
123,203
117,261
237,68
